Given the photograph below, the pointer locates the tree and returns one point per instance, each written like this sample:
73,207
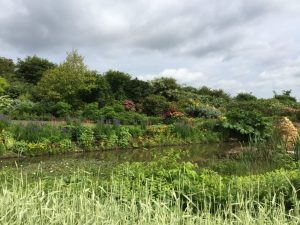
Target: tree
31,69
166,86
245,97
285,97
6,66
137,90
100,93
218,93
67,82
16,87
118,82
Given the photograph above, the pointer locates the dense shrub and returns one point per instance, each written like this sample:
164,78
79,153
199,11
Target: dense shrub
246,124
62,109
267,107
204,111
245,97
155,105
86,139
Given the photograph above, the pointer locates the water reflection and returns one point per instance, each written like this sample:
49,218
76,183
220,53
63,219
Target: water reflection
195,153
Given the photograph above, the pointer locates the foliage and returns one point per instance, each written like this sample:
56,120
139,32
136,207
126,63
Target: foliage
6,66
67,82
204,111
267,107
166,174
6,141
118,82
155,105
137,90
31,68
36,132
6,104
124,137
81,198
246,124
61,109
3,85
38,89
245,97
91,111
285,97
165,86
86,139
116,114
216,93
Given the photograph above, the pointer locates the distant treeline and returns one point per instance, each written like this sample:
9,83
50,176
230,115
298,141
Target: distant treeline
34,87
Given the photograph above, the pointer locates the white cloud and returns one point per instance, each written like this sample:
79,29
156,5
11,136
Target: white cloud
182,75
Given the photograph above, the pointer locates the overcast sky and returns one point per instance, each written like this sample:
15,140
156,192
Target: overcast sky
238,45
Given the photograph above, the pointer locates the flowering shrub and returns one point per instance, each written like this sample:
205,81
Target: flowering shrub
129,105
205,111
172,113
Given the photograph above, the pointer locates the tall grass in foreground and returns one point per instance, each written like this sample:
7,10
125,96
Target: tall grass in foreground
75,202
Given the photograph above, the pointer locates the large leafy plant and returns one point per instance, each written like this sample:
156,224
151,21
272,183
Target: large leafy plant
246,124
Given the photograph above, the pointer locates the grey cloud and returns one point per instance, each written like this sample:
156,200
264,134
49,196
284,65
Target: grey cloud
230,41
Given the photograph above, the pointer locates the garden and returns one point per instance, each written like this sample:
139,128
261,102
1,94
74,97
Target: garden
79,147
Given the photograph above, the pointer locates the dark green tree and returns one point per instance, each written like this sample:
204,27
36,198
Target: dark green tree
245,97
31,68
6,66
218,93
285,97
118,82
137,90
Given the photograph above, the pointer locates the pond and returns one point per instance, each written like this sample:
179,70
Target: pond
212,156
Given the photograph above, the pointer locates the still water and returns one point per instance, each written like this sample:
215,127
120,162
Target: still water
211,156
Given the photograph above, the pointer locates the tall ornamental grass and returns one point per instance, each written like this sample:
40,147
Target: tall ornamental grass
75,202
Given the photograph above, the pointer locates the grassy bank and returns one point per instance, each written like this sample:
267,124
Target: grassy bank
32,139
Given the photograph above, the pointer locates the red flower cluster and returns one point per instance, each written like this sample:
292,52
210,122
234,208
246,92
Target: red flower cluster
173,113
129,105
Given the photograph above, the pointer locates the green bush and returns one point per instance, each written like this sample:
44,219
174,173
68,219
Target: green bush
245,97
246,124
86,139
91,111
117,115
155,105
124,137
204,111
20,147
62,109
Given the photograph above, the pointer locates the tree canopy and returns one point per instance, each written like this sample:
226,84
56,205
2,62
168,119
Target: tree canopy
31,68
67,82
